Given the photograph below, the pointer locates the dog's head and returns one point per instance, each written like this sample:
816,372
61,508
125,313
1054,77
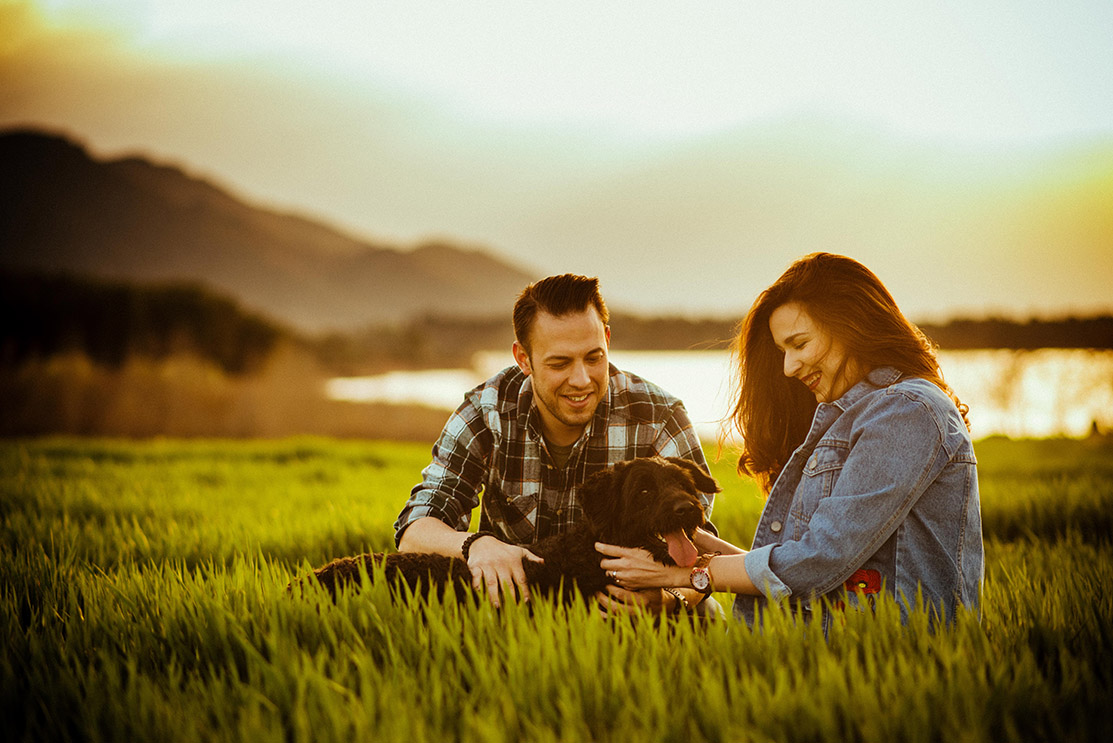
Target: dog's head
649,502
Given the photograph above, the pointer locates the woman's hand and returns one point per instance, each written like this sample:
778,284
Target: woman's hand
634,569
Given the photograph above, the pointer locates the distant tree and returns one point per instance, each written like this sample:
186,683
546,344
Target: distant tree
45,314
1071,332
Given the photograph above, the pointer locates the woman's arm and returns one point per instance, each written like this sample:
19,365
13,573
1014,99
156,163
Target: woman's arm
728,573
896,451
635,569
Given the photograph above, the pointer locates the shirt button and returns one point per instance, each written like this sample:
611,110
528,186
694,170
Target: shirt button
775,527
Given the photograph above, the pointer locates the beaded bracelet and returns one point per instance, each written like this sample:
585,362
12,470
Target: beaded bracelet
465,548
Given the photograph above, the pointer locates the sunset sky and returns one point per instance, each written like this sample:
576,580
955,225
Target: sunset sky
684,152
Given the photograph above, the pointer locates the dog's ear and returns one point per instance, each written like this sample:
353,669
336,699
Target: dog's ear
704,482
596,495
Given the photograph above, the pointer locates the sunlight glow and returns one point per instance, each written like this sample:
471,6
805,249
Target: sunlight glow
664,67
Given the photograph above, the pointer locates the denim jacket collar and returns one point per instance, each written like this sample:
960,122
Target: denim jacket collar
879,378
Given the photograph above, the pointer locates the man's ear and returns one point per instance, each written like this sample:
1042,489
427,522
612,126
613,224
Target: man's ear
521,357
704,482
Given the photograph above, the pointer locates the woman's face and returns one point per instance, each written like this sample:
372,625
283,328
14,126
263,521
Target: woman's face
812,354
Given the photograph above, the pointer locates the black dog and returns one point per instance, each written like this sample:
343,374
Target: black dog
648,502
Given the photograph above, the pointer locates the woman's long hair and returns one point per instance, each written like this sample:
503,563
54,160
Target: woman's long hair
772,412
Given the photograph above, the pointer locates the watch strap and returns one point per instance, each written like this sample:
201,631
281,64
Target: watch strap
681,602
703,560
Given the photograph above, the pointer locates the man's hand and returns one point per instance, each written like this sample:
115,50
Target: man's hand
616,601
498,566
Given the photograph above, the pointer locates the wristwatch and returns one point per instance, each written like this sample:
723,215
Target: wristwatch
700,578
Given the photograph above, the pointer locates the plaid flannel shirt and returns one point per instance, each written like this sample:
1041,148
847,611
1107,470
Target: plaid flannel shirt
493,443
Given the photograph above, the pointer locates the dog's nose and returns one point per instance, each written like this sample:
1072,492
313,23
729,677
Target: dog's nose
683,509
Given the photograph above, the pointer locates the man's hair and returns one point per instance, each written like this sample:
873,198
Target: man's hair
558,296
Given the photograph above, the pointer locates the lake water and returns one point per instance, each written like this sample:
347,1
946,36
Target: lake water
1048,392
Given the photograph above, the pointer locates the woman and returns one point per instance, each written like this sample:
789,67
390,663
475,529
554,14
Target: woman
863,451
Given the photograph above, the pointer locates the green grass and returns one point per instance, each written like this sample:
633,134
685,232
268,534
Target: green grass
143,597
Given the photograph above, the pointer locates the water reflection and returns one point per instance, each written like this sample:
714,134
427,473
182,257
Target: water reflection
1047,392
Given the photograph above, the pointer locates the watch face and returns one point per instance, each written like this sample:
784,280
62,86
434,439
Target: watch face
701,581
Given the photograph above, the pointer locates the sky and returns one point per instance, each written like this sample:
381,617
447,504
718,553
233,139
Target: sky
684,152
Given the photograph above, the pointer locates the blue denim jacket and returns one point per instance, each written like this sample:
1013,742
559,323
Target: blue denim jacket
886,483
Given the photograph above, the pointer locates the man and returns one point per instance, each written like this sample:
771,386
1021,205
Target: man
531,434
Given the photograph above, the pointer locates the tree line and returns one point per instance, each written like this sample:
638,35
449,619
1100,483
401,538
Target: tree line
1070,332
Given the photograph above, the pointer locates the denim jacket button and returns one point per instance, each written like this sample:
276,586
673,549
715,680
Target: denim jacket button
775,527
813,462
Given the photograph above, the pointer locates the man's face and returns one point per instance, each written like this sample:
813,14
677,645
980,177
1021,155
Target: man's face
568,363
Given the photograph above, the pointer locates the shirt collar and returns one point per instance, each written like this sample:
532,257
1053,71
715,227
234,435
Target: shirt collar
526,414
602,417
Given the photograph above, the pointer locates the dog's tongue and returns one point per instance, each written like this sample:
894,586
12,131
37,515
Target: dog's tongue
681,549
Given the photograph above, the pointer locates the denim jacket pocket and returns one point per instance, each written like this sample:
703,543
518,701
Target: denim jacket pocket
821,471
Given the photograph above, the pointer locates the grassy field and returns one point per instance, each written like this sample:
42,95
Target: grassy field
143,598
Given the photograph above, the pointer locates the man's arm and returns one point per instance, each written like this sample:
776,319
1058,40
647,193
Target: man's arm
492,563
438,511
430,534
451,482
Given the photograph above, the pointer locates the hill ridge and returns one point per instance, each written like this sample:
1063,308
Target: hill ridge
134,219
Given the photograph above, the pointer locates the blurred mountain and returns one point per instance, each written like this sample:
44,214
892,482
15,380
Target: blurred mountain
131,219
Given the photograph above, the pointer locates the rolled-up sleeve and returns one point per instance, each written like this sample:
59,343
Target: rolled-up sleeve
762,576
450,485
896,451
